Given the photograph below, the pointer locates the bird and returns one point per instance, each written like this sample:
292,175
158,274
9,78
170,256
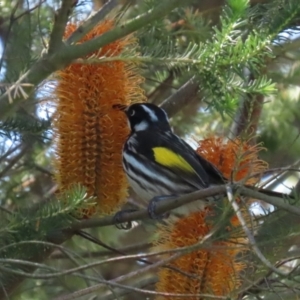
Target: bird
157,162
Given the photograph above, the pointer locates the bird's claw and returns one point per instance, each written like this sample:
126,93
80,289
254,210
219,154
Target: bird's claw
118,217
152,206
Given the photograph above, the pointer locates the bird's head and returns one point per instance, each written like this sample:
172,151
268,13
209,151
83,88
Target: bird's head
145,116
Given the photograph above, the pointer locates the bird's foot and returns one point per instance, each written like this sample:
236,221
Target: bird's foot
119,216
152,207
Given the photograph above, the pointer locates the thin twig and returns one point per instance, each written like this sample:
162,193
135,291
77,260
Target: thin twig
157,93
94,19
67,253
246,120
29,10
282,173
181,97
249,235
144,270
6,210
8,31
141,283
277,202
9,152
92,289
128,249
187,249
14,160
60,22
291,45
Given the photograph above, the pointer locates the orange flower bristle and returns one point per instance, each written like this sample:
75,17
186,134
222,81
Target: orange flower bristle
183,232
235,159
214,269
89,132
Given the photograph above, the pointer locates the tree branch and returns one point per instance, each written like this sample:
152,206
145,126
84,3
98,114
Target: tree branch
181,97
93,20
276,201
247,117
60,22
50,63
169,204
96,254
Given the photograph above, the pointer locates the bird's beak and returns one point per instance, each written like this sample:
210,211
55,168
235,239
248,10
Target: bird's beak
120,107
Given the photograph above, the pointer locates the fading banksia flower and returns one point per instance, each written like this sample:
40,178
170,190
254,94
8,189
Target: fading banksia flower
89,133
214,270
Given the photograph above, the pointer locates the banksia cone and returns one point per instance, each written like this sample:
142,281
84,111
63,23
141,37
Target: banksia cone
89,133
216,269
236,160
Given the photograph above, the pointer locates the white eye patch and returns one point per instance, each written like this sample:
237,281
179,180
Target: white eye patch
141,126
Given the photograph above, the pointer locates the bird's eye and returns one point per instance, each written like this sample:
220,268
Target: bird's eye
132,113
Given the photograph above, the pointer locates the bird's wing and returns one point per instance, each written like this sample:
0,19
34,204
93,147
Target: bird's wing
175,155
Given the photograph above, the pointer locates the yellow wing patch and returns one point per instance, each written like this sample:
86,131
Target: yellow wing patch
168,158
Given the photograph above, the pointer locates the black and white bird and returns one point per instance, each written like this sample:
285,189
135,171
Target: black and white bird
159,163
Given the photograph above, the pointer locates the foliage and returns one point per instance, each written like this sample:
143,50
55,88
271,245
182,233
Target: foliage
244,57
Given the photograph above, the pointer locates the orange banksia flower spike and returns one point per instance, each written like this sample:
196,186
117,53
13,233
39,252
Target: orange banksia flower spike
89,133
236,159
180,233
214,269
